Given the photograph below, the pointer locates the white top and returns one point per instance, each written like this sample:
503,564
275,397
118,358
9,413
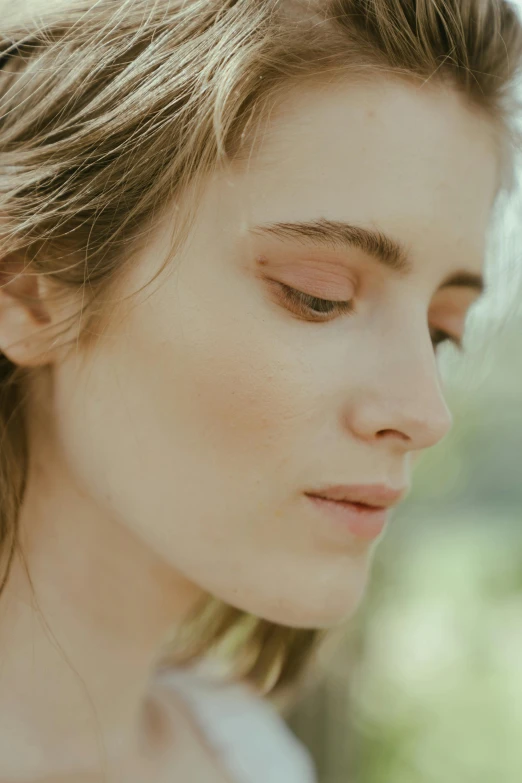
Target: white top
245,730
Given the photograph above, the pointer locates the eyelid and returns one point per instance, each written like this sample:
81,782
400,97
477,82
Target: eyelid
295,301
322,296
450,317
340,289
317,276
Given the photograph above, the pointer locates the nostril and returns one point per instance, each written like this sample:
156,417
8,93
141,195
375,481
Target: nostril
392,433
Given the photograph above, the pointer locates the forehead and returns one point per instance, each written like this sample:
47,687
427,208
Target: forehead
417,164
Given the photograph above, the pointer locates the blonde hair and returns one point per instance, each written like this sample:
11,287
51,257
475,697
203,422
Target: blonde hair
111,109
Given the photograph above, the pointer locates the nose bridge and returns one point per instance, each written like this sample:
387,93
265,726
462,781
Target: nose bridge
402,395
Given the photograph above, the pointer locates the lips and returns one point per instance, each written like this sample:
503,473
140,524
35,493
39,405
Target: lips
362,510
376,496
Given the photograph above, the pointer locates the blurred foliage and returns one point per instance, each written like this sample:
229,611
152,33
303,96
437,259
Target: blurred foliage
425,684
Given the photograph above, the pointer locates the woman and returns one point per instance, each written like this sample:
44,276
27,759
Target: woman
233,236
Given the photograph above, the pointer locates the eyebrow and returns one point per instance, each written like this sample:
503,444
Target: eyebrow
338,234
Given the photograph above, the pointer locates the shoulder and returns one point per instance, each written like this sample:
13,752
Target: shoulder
245,730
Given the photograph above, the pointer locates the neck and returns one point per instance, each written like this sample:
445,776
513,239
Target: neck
83,617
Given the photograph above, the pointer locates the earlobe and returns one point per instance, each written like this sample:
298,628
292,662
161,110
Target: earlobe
24,319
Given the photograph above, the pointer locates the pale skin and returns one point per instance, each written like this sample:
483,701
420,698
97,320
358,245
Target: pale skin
170,460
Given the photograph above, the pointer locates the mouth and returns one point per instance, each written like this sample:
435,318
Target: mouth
362,521
362,510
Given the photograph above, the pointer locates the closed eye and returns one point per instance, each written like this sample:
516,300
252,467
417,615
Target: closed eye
312,308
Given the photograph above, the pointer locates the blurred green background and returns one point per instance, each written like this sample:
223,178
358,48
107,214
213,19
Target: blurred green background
425,684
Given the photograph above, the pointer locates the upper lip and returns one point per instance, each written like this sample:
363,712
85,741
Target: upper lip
376,495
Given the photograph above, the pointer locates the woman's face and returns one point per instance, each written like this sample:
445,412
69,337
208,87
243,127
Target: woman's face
217,399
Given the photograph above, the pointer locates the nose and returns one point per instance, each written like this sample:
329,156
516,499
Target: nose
401,400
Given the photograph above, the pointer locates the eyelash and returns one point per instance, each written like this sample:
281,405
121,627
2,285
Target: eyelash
439,336
321,310
312,307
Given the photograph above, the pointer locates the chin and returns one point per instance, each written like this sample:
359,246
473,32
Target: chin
320,605
320,617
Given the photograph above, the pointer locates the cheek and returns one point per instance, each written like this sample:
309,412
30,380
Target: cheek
234,383
227,387
177,399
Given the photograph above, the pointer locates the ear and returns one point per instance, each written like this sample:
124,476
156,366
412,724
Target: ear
25,320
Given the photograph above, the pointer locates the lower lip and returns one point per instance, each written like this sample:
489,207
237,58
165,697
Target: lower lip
361,521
